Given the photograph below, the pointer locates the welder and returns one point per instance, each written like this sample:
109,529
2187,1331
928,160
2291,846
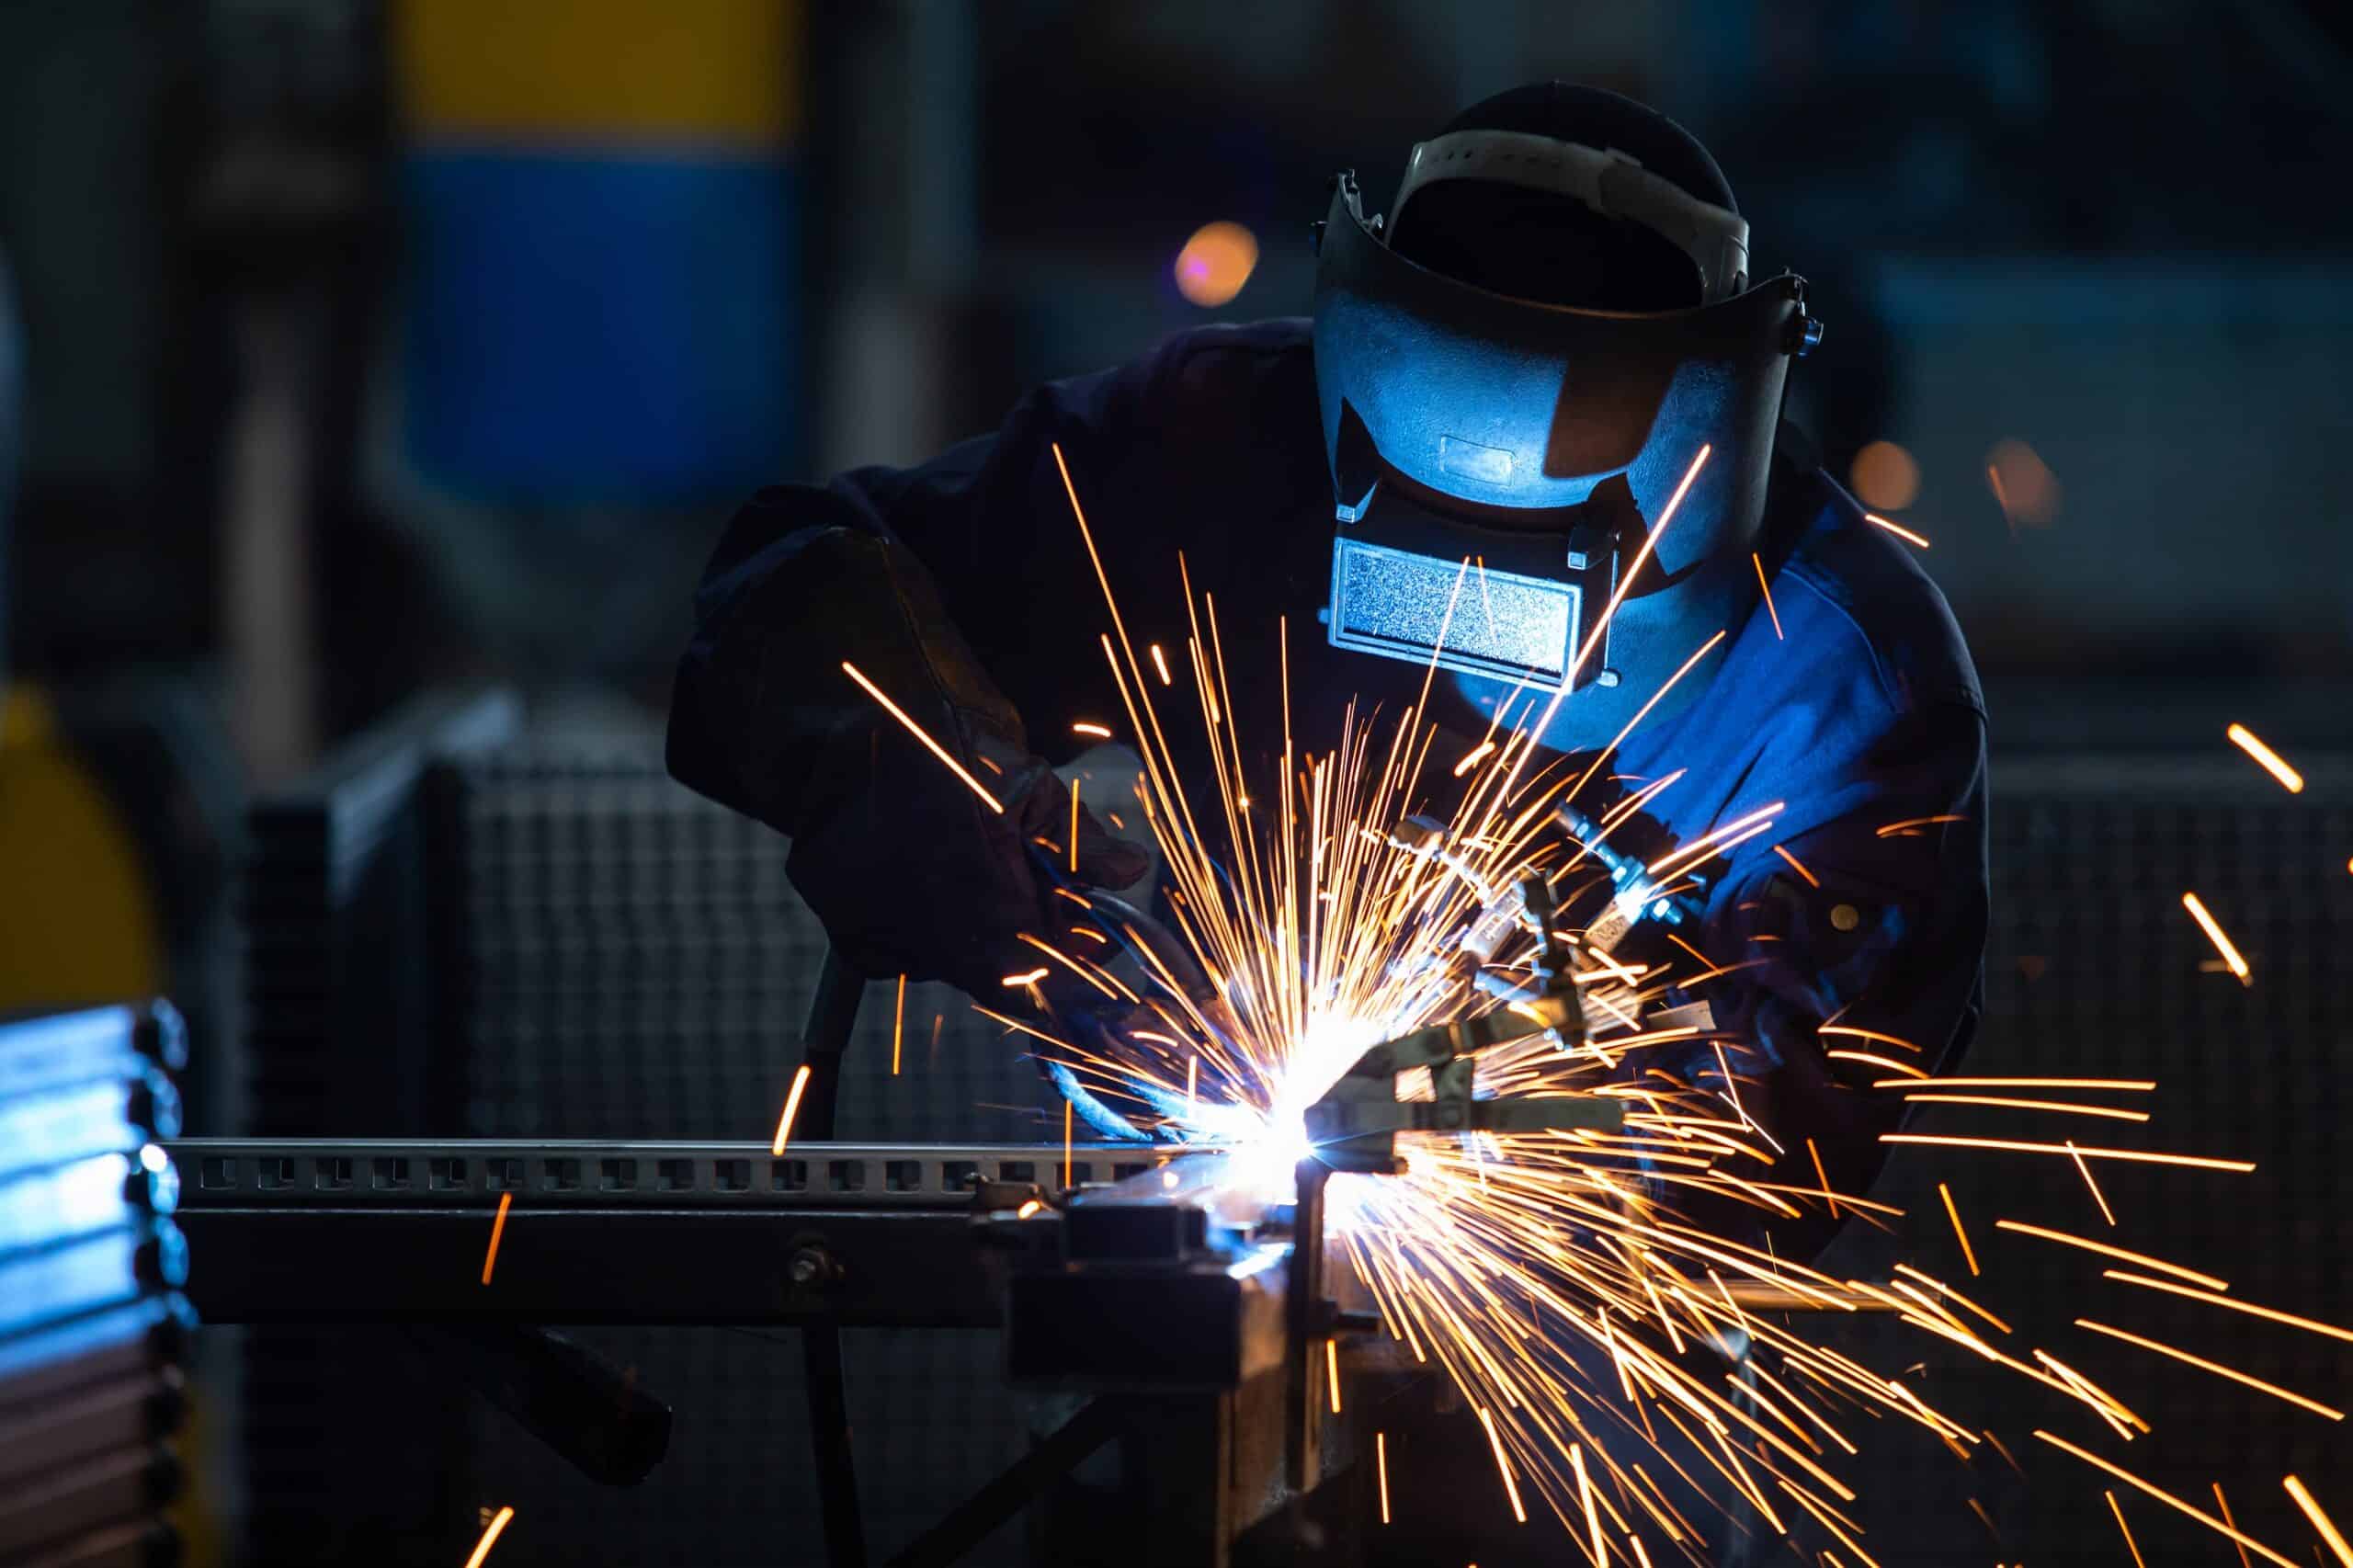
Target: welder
1553,356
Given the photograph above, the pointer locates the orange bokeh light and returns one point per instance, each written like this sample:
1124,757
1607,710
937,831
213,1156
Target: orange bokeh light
1885,477
1215,263
2023,483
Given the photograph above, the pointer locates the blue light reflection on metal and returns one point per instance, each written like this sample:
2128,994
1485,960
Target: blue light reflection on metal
1393,603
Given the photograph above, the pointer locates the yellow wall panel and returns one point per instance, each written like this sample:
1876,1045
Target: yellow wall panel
603,73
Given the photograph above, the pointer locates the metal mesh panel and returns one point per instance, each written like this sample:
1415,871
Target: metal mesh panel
627,959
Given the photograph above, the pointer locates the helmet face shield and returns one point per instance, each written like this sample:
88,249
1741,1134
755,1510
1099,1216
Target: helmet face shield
1543,444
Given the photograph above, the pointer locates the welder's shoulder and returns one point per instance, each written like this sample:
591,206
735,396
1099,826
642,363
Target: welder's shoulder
1239,386
1869,593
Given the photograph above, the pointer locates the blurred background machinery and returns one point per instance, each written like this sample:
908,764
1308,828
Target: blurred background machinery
378,371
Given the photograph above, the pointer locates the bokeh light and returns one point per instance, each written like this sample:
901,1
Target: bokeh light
1215,263
1884,476
2023,483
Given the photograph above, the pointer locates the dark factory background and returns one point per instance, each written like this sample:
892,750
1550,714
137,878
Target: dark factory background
374,379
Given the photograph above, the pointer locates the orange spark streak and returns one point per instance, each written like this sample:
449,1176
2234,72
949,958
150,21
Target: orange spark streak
2271,761
2290,1319
1026,977
1797,866
1029,1206
791,1104
1087,727
1918,1076
2141,1258
1381,1468
1472,760
898,1024
1910,823
2328,1532
1584,1491
1822,1177
916,730
2141,1156
1160,663
2225,1504
1967,1252
1898,530
2070,1106
497,1229
1759,564
2217,1368
1865,1034
2086,1172
489,1538
1511,1488
2237,965
2102,1247
2166,1497
1332,1371
1940,1085
2118,1512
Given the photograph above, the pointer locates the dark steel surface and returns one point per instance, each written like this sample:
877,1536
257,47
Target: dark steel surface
588,1265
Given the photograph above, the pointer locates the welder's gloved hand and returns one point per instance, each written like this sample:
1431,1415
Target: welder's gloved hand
911,872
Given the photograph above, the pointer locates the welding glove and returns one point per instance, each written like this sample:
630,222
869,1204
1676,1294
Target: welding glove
911,869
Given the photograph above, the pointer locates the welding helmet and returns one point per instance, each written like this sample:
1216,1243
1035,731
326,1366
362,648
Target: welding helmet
1474,419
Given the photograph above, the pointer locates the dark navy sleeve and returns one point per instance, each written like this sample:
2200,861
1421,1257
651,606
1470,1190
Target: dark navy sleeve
1860,937
1157,450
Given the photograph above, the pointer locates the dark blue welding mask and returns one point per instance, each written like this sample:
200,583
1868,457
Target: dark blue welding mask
1543,444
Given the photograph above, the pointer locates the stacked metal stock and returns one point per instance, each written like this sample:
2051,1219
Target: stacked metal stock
92,1324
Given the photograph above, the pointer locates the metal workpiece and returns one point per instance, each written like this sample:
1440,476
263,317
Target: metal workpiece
231,1172
1170,1280
397,1231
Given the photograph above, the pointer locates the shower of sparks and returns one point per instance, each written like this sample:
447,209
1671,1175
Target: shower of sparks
1767,589
1559,1280
490,1537
2231,959
791,1105
1898,530
2271,761
497,1229
2321,1521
